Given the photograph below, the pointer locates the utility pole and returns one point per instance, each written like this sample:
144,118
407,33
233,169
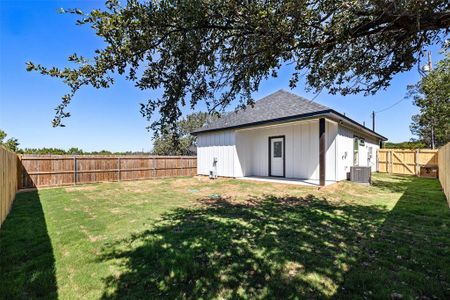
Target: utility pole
373,120
430,64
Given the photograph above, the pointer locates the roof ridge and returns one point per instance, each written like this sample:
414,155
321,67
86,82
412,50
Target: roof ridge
287,91
268,96
301,98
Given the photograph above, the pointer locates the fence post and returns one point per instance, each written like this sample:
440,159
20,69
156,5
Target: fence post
19,172
74,169
118,168
388,163
165,166
391,163
377,161
417,162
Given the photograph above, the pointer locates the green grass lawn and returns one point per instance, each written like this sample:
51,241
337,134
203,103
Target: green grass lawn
192,238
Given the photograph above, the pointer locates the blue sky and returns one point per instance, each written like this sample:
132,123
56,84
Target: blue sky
109,118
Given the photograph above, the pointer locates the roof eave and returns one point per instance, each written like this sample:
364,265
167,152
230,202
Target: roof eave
343,118
330,113
271,121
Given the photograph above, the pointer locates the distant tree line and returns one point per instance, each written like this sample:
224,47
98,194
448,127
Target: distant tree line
406,145
13,145
76,151
172,141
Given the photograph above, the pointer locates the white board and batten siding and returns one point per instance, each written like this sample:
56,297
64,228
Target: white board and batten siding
220,145
345,153
245,152
301,149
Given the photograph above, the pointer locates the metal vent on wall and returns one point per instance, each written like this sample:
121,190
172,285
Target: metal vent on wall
213,171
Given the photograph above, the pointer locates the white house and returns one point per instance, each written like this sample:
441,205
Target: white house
284,135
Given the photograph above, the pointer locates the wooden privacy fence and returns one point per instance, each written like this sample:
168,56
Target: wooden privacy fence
54,170
8,181
401,161
444,169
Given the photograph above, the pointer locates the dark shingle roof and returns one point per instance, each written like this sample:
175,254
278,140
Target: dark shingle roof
278,105
281,106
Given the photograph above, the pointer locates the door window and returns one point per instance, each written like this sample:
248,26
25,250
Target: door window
278,149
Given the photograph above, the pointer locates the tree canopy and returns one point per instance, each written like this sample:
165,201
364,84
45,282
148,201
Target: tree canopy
11,143
432,96
178,140
218,51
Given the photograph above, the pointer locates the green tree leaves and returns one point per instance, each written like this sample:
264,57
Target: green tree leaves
218,51
178,140
11,143
432,96
405,145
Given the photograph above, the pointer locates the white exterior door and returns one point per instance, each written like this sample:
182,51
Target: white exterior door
276,165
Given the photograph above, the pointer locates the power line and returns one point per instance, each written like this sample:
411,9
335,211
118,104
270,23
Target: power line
372,115
315,96
391,106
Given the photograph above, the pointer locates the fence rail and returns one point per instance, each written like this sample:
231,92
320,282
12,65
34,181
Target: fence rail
56,170
8,181
401,161
444,170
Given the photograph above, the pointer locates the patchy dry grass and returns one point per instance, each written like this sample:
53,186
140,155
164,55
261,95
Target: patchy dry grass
196,238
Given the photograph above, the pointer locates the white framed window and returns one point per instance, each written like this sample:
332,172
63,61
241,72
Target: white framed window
355,151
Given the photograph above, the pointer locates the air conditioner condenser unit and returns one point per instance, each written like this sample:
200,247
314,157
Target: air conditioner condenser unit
361,174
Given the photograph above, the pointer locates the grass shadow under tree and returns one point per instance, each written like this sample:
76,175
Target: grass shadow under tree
269,247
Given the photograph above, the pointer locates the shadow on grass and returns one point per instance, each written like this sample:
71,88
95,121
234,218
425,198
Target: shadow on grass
27,263
410,253
269,247
395,183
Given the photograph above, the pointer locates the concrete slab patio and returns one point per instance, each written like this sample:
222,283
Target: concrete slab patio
297,181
